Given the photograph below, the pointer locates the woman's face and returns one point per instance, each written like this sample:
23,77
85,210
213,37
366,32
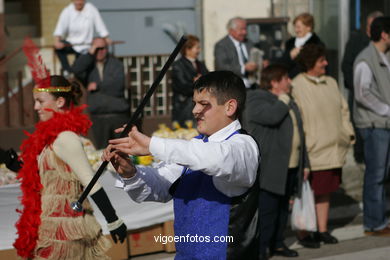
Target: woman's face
45,100
194,51
319,68
300,29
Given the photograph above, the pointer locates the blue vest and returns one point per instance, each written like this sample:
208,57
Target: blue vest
201,213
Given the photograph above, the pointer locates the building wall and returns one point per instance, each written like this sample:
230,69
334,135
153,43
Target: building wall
2,36
216,14
50,11
291,9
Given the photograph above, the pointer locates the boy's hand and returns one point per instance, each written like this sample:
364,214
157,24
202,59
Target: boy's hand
120,161
135,144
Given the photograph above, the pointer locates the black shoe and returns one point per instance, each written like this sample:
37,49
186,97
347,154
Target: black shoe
325,237
309,242
263,257
284,251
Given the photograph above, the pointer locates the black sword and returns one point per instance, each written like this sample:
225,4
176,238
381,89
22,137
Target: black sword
77,205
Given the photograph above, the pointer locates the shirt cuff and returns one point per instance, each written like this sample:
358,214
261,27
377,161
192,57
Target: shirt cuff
156,146
122,182
284,98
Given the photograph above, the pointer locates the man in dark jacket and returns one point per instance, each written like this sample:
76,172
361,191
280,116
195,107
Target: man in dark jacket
104,78
273,119
356,43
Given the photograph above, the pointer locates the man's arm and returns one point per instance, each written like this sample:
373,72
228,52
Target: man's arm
233,161
224,59
363,92
62,24
151,184
99,24
142,183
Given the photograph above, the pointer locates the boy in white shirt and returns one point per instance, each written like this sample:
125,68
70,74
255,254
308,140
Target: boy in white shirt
211,178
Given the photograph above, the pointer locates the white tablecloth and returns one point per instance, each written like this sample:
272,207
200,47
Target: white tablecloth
134,215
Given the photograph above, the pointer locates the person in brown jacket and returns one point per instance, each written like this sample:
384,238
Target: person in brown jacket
328,132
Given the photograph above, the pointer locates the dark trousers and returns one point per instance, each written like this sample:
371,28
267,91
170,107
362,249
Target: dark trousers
103,126
358,147
273,214
62,55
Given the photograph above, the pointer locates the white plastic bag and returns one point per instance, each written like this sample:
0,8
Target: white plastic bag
303,216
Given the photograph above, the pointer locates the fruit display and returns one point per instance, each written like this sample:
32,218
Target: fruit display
177,132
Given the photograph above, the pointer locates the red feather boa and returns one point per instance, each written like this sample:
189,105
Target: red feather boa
45,134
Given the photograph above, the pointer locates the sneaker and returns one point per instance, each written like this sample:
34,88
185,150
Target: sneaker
309,242
380,233
325,237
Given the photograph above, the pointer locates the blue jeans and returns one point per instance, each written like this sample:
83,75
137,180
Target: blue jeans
376,154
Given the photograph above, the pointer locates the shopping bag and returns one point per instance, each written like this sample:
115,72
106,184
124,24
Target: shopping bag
303,216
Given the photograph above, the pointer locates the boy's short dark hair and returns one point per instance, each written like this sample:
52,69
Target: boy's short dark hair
223,85
379,25
272,72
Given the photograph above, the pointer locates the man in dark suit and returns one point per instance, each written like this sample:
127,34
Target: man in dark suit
232,52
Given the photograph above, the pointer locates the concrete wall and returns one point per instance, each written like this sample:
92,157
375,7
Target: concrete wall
216,14
2,36
291,9
50,11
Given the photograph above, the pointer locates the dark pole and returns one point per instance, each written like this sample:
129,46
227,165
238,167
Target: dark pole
77,205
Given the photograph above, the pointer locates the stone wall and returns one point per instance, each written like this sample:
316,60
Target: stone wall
51,10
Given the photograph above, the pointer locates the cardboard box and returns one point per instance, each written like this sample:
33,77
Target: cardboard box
117,251
142,241
169,231
9,254
138,242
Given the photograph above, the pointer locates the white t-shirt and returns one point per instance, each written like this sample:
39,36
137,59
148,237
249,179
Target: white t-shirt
80,27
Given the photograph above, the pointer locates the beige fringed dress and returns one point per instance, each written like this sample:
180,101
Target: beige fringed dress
64,233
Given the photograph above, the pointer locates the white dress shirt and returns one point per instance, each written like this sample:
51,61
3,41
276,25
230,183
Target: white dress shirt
241,59
362,85
79,27
232,164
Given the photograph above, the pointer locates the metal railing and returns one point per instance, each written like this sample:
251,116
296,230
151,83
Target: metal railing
16,102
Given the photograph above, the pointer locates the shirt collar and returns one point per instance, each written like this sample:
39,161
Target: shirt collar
225,132
236,43
316,80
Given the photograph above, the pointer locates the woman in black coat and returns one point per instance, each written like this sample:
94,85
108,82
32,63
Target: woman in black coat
303,27
185,71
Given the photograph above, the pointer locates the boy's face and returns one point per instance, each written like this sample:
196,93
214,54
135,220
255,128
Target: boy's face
211,117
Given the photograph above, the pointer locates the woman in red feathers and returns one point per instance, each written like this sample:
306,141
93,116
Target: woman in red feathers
55,169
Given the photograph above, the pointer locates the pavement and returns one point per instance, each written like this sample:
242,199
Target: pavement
345,223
